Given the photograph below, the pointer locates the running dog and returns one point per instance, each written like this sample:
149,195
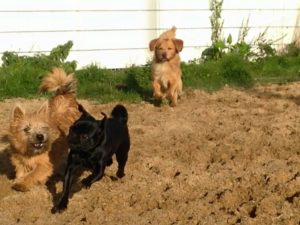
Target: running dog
37,143
92,144
166,71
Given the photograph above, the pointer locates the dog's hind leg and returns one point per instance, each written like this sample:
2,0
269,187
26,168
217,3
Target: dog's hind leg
179,89
122,156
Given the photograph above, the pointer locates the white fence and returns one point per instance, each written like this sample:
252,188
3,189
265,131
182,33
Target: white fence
116,33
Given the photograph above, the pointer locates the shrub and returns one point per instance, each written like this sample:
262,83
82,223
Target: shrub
21,75
235,70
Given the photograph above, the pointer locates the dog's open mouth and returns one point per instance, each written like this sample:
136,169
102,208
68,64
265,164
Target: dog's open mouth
162,58
38,145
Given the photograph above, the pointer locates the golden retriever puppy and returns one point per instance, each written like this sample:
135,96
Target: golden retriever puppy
166,71
37,139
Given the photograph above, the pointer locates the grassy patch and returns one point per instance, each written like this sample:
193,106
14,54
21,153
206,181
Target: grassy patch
21,75
205,76
104,85
235,70
276,69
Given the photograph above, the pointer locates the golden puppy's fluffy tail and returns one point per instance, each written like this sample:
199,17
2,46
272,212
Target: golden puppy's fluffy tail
59,82
169,34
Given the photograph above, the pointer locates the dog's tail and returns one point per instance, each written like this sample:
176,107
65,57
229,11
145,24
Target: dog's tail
59,82
120,112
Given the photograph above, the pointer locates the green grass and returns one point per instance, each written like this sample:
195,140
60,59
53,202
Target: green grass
205,76
19,83
104,85
236,71
214,74
21,75
277,69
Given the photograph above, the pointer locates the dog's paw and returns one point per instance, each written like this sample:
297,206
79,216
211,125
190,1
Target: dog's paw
20,187
158,95
61,205
157,102
173,104
59,208
113,178
120,174
86,183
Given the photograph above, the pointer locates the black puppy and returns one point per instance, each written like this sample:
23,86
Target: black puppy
92,144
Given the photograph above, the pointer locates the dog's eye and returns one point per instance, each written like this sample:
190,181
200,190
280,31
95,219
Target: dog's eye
85,136
26,129
169,48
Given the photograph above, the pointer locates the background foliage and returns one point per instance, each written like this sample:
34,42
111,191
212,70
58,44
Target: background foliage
240,64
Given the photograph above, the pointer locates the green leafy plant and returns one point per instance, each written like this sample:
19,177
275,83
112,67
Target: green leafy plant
57,57
21,75
217,49
241,47
221,46
264,46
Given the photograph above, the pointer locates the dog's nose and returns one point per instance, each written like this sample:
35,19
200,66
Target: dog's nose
40,137
164,55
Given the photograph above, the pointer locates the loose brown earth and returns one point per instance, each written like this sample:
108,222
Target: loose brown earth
231,157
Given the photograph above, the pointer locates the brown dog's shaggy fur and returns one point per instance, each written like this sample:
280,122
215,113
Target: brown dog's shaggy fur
37,140
166,71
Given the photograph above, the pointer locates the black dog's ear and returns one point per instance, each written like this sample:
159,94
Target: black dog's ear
102,122
105,116
84,114
82,109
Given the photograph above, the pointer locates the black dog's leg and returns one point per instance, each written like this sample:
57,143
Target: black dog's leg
122,156
97,174
69,175
109,162
122,159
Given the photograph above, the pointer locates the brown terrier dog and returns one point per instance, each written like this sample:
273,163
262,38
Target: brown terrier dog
37,140
166,71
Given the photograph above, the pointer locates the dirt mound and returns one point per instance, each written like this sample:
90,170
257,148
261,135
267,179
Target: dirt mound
231,157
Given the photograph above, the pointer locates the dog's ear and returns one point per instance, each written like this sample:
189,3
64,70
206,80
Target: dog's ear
101,123
152,44
18,113
82,109
178,44
44,109
104,115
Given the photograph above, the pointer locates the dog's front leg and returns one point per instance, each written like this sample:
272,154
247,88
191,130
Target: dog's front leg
97,174
39,175
156,90
69,175
172,93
